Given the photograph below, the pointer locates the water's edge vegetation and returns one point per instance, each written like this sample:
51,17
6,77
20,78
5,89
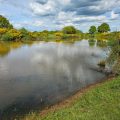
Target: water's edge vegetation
68,33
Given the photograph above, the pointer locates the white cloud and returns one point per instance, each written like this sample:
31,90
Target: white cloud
43,9
35,23
113,15
50,7
18,25
65,2
91,18
105,5
68,17
38,23
54,14
65,15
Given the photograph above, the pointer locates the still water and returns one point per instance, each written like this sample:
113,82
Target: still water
43,73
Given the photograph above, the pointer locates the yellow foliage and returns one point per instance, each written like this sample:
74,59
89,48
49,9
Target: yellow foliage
33,34
59,34
14,33
3,30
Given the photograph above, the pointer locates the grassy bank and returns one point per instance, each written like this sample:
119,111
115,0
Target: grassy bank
99,102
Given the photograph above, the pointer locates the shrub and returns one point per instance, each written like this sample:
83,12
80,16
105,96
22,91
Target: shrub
3,31
14,33
59,34
116,67
114,57
7,37
11,35
69,30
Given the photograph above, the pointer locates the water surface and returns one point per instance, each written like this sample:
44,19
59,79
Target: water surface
43,73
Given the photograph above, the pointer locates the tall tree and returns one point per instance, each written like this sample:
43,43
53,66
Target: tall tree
104,27
4,23
92,30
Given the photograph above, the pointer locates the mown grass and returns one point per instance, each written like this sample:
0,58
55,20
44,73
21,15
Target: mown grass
101,102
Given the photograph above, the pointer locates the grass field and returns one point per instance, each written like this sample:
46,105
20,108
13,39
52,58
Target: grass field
100,102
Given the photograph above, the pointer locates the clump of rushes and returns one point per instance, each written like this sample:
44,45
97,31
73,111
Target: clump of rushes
102,64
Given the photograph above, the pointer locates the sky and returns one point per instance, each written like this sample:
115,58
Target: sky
38,15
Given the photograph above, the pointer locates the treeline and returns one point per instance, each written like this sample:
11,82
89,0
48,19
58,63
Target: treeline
9,33
103,28
102,32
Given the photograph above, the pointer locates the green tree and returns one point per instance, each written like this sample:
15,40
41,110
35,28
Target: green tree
69,30
92,30
24,32
104,27
4,23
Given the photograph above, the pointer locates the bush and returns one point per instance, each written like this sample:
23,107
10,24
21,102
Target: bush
3,31
11,35
27,37
59,34
7,37
15,34
69,30
116,67
114,58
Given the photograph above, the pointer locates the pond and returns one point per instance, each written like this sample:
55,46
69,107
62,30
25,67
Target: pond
39,74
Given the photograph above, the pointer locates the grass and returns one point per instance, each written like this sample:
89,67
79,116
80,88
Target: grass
101,102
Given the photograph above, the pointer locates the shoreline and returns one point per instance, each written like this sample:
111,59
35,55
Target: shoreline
71,99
